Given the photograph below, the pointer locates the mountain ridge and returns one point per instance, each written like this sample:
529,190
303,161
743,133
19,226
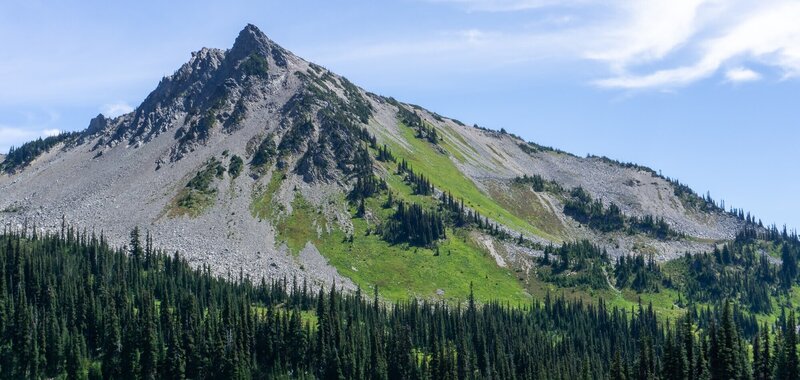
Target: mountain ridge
308,145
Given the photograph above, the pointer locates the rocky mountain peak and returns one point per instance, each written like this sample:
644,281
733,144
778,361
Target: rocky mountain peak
241,147
251,40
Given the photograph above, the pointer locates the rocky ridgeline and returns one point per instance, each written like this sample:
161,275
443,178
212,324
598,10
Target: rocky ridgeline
279,115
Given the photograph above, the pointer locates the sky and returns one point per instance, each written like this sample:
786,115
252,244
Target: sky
704,91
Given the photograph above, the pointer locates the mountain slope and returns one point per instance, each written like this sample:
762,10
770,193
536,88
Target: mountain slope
252,159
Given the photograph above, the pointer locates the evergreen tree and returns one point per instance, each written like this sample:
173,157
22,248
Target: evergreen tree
788,267
787,367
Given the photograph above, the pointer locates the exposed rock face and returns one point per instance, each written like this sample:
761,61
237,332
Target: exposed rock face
290,118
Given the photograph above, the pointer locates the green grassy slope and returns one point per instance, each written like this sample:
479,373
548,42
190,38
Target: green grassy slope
438,166
400,271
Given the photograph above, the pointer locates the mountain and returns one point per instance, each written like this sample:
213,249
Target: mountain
254,160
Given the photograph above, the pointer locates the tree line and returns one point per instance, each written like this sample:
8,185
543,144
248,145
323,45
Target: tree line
21,156
580,205
73,307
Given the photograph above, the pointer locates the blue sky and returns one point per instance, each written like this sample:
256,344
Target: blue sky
705,91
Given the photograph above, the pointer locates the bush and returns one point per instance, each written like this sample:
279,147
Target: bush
255,65
235,167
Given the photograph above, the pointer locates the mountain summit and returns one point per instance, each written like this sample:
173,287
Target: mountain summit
251,40
254,160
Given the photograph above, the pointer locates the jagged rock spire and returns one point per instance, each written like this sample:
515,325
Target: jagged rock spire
250,40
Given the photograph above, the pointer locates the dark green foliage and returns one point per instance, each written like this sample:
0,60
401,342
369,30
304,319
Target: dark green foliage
233,122
636,273
384,154
531,148
73,307
786,366
339,125
255,65
20,157
265,152
429,133
200,130
358,104
726,356
200,189
527,148
298,134
691,199
457,215
205,177
581,207
763,360
745,217
577,264
788,271
367,184
418,182
356,109
539,184
739,271
366,187
235,166
655,227
411,119
411,224
135,248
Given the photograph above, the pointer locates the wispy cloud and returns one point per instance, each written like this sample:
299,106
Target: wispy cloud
508,5
470,49
663,44
741,74
51,132
645,31
715,35
116,109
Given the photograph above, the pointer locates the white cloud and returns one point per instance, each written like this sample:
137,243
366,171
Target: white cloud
769,34
741,74
13,133
116,109
662,78
647,31
471,49
661,44
51,132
